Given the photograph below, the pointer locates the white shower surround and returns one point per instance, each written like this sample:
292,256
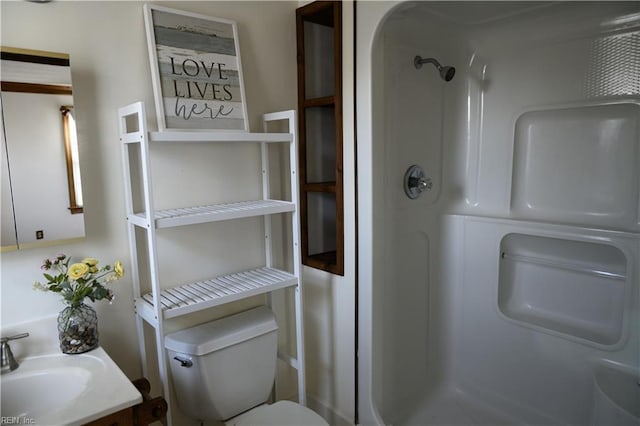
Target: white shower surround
447,335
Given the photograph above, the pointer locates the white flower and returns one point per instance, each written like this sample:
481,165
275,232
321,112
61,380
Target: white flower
37,285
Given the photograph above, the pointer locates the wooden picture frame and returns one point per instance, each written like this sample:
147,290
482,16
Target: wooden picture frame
195,70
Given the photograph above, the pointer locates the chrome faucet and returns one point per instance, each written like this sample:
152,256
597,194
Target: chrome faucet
416,182
9,363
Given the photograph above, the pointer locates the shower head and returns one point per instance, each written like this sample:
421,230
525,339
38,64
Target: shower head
446,72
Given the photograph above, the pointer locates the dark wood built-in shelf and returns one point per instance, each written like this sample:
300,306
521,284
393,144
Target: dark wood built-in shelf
325,261
322,19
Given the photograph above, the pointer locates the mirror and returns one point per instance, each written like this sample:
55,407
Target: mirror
41,185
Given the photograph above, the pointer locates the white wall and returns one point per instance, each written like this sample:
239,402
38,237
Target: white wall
110,69
330,300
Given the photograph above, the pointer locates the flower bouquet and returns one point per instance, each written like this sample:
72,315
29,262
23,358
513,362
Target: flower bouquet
78,322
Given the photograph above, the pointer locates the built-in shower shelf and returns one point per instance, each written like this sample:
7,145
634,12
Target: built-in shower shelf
571,288
205,294
552,263
212,213
549,180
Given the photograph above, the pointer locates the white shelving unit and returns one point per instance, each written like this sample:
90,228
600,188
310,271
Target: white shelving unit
162,303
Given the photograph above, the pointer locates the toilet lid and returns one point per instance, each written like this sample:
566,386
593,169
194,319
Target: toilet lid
282,413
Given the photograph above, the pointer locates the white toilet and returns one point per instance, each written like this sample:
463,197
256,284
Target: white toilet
225,370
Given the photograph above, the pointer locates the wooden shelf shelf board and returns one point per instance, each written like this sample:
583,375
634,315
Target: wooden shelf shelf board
219,137
205,294
213,213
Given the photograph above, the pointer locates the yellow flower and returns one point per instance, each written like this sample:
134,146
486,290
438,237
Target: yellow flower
92,263
118,269
78,270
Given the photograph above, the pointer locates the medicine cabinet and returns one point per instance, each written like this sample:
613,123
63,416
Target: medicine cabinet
41,184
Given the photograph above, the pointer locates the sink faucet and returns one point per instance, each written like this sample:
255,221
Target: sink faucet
9,363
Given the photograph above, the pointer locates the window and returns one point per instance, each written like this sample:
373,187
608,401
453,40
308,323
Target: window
73,162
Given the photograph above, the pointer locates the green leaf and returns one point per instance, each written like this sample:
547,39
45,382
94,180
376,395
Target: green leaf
100,293
85,292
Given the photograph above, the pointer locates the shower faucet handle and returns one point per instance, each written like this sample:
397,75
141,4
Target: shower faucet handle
416,182
422,183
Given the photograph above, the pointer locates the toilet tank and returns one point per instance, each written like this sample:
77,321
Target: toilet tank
224,367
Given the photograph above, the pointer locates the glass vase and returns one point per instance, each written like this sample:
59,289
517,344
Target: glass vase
78,329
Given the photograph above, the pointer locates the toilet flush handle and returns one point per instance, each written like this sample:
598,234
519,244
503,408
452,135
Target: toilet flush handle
183,362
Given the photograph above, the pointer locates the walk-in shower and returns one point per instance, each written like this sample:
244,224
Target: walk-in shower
499,213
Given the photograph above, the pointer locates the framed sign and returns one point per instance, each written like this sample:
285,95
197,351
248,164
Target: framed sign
195,71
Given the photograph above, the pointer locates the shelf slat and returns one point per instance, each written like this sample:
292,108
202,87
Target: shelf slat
219,137
329,187
205,294
214,213
326,101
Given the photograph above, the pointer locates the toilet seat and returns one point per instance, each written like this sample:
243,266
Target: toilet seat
282,413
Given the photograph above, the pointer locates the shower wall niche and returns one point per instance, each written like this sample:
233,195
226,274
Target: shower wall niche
575,288
578,164
572,164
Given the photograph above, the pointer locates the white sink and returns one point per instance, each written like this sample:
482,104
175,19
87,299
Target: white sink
21,389
66,389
